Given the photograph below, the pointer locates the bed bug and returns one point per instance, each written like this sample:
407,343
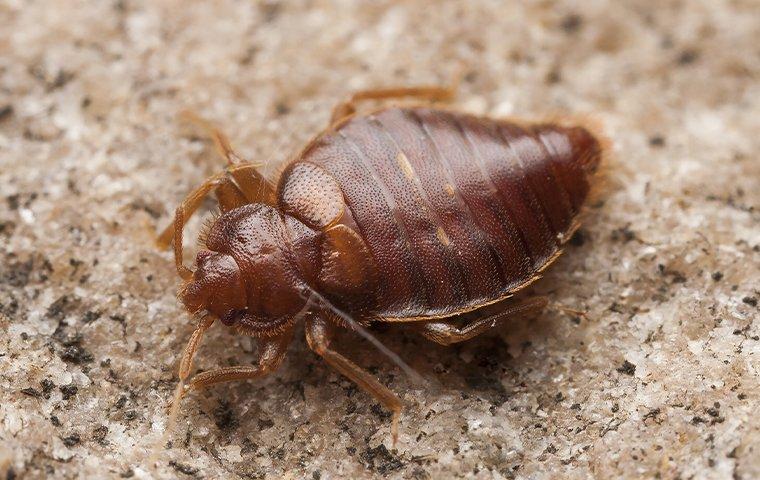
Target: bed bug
406,214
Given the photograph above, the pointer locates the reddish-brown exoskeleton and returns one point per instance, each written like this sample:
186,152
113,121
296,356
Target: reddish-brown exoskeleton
413,215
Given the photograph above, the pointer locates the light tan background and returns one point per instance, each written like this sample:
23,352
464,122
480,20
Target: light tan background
93,159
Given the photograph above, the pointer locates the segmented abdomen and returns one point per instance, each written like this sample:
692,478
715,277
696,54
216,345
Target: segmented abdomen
456,210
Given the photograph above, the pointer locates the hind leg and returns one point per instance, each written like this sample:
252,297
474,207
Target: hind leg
446,333
430,93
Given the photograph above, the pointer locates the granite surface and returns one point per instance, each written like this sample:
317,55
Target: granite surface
658,380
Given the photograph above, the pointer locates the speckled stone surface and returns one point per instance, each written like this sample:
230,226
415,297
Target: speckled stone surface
660,379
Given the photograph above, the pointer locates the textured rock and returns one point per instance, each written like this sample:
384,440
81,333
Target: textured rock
660,377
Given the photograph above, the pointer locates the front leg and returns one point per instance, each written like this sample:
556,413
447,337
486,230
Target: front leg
239,184
319,333
270,355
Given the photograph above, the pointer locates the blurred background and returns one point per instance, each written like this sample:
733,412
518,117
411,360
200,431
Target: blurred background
658,380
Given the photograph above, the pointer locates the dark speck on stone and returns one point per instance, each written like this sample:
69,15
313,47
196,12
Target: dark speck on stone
750,301
90,316
76,354
13,201
99,434
717,276
225,417
270,11
182,468
657,141
687,57
572,23
653,413
17,274
68,391
554,76
31,392
381,460
276,453
62,307
381,413
623,233
627,368
72,440
265,423
5,112
282,108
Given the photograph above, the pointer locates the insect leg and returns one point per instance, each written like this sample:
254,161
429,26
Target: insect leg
252,184
183,212
271,353
221,142
248,186
249,182
238,185
446,333
186,364
318,336
430,93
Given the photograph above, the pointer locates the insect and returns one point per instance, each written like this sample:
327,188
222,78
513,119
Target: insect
411,215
